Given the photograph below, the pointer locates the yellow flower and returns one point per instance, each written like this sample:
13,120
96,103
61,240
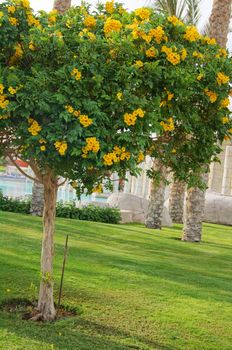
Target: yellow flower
13,21
211,94
109,6
1,88
76,73
191,34
119,96
183,53
91,36
112,25
225,103
69,108
198,55
11,9
225,120
139,113
175,21
3,102
209,41
152,52
170,95
169,126
139,64
98,189
130,119
140,157
222,78
61,147
200,76
92,144
43,148
12,91
222,53
90,21
18,51
31,46
1,14
143,13
85,120
25,3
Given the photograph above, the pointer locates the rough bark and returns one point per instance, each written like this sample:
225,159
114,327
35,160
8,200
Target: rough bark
37,202
176,201
46,301
194,212
157,197
61,5
220,20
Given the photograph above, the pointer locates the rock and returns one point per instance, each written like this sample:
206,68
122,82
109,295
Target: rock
134,208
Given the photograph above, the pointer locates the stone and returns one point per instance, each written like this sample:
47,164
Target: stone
134,208
218,208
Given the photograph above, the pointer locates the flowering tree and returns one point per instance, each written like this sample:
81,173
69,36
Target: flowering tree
83,95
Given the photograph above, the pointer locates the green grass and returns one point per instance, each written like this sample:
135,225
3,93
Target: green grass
134,288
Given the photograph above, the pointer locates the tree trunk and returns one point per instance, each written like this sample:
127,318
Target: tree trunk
61,5
156,204
46,301
37,202
176,201
220,20
194,212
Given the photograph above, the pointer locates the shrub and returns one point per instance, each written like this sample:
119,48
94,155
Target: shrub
65,210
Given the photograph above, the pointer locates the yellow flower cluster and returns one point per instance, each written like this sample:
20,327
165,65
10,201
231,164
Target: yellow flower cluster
225,120
61,147
12,90
71,110
3,100
130,118
209,41
158,34
175,21
31,46
184,54
200,76
109,6
116,156
112,25
76,74
222,78
92,144
52,16
4,117
11,9
197,54
191,34
35,128
152,52
90,21
85,120
171,56
119,96
211,94
13,21
1,14
98,189
222,53
25,3
169,126
140,157
143,13
225,103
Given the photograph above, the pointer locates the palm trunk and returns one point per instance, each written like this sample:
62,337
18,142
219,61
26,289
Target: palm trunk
157,197
220,20
46,301
194,213
61,5
176,201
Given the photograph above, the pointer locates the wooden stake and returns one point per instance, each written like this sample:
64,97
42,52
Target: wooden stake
62,274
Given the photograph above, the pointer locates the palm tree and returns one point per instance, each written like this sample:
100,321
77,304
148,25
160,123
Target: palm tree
189,12
220,21
37,202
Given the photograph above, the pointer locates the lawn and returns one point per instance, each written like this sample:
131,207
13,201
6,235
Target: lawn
134,288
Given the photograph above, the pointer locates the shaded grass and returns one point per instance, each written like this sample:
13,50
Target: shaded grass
135,288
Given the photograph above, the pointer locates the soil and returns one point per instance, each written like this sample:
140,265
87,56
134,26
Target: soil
27,309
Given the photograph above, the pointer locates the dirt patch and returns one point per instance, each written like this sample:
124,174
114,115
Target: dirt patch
27,309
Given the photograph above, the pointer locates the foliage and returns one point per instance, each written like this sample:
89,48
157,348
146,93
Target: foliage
65,210
83,94
89,213
128,285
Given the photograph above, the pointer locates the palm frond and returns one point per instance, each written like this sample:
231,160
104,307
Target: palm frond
193,11
206,29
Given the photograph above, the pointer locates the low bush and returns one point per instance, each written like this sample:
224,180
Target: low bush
65,210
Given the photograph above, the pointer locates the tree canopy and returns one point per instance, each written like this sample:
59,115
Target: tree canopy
88,92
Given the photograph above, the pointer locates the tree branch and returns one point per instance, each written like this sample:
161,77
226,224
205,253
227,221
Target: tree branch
22,171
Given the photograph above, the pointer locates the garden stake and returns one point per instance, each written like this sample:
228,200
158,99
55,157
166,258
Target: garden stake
62,274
